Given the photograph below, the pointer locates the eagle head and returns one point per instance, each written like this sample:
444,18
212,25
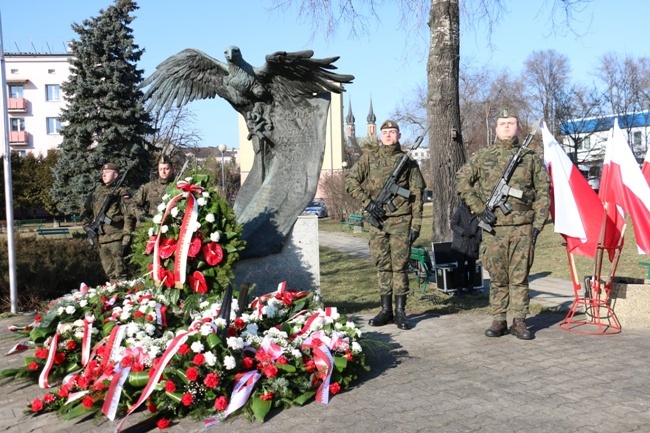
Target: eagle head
232,54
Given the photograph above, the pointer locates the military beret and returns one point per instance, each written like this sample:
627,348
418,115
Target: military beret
389,124
109,166
165,160
506,113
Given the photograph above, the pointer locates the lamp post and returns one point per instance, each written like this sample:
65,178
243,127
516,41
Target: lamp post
222,148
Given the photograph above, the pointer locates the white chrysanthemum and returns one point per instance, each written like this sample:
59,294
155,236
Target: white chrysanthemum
235,343
206,329
140,335
206,194
151,303
220,322
270,310
251,328
90,318
203,305
276,333
188,179
157,219
210,218
196,226
150,231
201,201
150,328
143,308
70,309
164,229
165,197
229,362
161,207
296,353
214,237
338,326
79,334
83,303
197,347
131,329
65,328
153,351
174,211
210,359
356,347
125,316
78,323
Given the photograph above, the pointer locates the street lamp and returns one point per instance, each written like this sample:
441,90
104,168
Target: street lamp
222,148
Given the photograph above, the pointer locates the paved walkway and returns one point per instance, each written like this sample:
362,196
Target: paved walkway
444,376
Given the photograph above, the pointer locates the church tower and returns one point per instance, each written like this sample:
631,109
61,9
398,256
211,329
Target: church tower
371,128
350,132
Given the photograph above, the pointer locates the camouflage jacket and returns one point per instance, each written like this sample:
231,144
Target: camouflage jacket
374,168
148,197
476,180
121,220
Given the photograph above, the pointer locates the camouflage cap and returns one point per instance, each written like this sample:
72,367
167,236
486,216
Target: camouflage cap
388,124
109,166
506,113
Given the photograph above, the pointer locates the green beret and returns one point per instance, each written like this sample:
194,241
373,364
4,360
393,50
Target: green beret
388,124
109,166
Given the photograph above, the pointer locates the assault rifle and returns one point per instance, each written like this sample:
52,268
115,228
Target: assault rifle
502,190
95,228
391,189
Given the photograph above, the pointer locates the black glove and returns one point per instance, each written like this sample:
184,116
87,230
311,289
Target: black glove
535,234
413,235
488,217
376,210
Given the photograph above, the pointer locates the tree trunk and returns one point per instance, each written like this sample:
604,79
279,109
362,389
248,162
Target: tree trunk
447,152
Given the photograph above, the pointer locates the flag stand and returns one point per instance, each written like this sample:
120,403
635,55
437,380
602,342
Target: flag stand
591,312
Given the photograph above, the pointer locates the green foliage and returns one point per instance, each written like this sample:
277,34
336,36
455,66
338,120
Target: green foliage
47,268
105,119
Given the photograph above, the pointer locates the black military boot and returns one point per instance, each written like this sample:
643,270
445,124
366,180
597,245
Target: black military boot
400,314
385,316
497,329
519,329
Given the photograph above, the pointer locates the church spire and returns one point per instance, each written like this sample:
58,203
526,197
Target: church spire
349,122
371,128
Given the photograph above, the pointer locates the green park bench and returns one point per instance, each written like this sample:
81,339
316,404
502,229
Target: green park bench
19,224
353,220
75,218
53,231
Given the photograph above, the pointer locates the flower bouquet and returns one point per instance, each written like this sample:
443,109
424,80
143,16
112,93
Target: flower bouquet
180,340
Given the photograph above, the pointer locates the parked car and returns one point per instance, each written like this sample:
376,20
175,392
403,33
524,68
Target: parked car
317,208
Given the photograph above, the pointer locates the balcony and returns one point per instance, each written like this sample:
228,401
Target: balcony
17,105
18,137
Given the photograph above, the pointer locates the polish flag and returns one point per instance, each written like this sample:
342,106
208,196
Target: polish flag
623,184
645,168
577,211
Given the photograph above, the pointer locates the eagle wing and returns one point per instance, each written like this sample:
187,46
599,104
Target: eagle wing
184,77
298,74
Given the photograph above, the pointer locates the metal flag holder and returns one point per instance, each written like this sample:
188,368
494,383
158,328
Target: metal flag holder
591,311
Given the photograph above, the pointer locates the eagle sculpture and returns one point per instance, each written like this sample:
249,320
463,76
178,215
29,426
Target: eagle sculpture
285,104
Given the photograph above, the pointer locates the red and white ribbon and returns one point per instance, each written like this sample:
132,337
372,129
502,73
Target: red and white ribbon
20,347
42,379
327,312
184,236
281,293
324,363
242,391
112,399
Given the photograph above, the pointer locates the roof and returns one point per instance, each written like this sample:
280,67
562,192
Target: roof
604,123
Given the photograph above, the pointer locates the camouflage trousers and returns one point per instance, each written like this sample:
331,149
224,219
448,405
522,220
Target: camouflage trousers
508,255
110,253
390,250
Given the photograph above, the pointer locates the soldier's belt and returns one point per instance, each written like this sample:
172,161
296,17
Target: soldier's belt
522,207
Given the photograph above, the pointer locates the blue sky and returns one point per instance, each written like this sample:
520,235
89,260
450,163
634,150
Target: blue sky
388,63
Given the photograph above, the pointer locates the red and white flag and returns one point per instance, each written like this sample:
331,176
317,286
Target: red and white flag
577,212
645,168
623,184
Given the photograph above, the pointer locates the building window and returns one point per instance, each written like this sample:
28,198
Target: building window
636,138
51,71
15,91
22,154
584,144
53,92
53,125
14,71
17,124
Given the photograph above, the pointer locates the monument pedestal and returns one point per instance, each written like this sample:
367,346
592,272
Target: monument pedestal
298,263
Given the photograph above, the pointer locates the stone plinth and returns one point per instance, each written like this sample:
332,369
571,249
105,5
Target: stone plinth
298,264
630,300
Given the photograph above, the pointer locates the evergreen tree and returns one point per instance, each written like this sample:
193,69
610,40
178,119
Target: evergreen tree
104,120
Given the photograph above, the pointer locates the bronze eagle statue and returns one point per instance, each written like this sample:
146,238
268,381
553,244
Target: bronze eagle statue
285,104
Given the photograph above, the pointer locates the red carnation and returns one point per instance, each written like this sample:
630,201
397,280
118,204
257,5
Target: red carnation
198,359
282,360
167,248
348,355
162,423
270,371
87,402
70,345
267,396
197,282
221,403
192,374
239,323
151,243
82,382
310,366
335,388
187,399
41,353
37,405
195,247
64,391
152,407
138,314
183,349
247,362
169,386
211,380
213,253
49,398
32,366
37,318
137,366
98,386
59,358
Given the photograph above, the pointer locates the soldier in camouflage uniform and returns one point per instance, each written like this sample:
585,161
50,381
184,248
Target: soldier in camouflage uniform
508,250
149,196
117,233
390,246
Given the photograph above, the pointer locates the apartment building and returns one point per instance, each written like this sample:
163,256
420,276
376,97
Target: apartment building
35,100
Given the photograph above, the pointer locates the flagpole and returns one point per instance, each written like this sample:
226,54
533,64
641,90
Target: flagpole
9,207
